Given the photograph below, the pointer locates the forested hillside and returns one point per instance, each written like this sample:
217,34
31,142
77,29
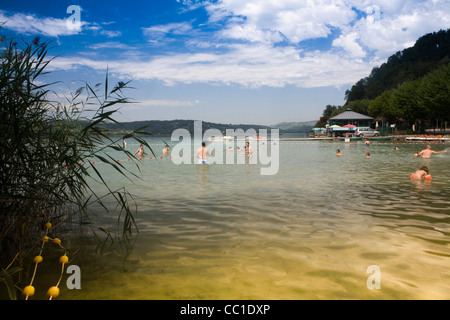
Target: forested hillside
412,87
429,53
166,127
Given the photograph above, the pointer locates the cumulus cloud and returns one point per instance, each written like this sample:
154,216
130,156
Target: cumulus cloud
379,25
242,64
350,45
296,20
31,24
109,45
257,43
164,103
159,33
397,30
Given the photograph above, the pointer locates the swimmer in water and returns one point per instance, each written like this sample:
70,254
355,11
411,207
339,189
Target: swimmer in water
420,174
166,150
203,154
338,153
368,155
426,153
248,149
140,151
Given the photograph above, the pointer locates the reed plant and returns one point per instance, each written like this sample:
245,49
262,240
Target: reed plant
46,153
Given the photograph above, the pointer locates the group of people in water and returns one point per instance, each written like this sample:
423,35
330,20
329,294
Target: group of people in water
202,155
423,173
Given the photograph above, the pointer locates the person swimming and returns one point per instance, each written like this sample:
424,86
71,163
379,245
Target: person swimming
338,153
166,150
422,173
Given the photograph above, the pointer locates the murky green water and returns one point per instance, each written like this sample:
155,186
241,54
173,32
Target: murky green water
309,232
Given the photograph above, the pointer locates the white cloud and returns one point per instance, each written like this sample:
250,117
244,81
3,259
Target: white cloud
163,103
160,32
30,24
242,64
250,33
350,44
110,45
383,26
391,26
296,20
260,42
111,34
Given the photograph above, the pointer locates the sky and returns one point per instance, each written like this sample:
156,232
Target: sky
224,61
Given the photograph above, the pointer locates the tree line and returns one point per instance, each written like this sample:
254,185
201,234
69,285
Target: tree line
412,87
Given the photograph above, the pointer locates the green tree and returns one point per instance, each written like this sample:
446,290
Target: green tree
384,106
408,102
327,112
435,93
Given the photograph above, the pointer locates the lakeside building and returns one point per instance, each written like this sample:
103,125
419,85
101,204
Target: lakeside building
347,121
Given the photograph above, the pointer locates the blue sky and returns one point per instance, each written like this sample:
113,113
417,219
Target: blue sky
226,61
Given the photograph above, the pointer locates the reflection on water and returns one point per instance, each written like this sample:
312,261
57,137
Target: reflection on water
309,232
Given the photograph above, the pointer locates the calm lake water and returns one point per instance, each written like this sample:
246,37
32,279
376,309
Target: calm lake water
309,232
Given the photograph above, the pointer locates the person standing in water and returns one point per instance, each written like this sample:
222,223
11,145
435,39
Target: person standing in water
426,153
140,151
166,150
248,149
203,154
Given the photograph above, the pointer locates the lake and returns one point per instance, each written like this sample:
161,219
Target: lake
323,227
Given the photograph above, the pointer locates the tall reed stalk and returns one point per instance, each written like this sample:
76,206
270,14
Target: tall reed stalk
42,145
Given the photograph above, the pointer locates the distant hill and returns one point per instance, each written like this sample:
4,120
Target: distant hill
295,127
428,54
166,127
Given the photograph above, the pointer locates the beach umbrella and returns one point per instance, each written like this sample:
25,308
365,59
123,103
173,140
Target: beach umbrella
335,126
349,126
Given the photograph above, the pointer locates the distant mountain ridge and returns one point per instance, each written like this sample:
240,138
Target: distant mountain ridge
166,127
295,127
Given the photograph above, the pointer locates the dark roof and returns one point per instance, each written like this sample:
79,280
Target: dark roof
351,115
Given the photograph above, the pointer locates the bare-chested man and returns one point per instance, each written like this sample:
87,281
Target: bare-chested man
426,153
140,151
203,154
248,150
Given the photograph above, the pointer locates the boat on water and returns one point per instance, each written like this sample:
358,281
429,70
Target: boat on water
367,138
224,138
428,138
351,139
